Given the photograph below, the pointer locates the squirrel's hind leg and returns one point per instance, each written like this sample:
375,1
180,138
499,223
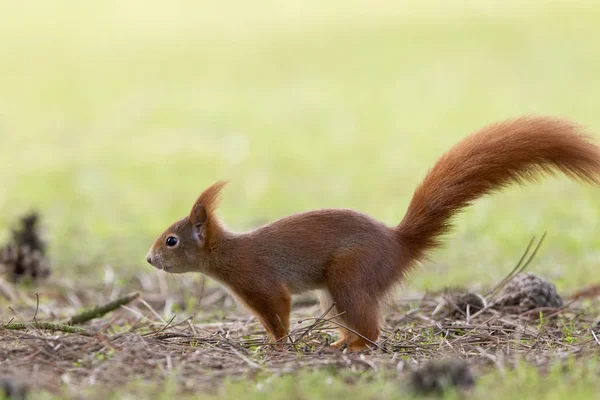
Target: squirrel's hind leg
326,305
355,301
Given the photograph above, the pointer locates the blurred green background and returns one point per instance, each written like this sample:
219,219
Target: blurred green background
114,115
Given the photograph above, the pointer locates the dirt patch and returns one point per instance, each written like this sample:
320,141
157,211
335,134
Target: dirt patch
138,342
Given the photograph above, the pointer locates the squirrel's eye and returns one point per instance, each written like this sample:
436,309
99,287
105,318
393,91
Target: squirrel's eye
171,241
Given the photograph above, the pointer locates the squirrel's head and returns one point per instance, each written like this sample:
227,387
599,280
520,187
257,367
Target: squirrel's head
186,246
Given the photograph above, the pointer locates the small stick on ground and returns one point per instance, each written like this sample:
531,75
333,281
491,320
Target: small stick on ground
37,307
317,321
43,325
518,268
102,310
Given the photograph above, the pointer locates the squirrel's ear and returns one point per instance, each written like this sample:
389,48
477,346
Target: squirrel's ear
198,218
203,209
206,203
199,215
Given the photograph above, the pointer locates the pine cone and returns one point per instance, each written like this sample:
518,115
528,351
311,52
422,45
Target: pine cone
25,256
457,304
28,233
528,291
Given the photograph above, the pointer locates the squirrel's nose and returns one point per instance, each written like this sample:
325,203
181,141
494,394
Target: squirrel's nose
149,259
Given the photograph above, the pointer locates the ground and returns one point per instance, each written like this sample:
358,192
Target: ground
207,349
116,115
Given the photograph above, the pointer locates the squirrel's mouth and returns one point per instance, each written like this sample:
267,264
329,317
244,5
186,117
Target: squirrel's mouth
160,267
157,263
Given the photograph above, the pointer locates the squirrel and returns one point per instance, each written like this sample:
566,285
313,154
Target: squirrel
352,259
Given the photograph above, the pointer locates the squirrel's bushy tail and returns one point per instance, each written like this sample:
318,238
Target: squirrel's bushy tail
519,150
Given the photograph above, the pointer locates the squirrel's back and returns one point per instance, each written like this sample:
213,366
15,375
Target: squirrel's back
300,246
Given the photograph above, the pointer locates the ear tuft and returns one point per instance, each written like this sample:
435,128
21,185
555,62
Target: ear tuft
206,203
198,215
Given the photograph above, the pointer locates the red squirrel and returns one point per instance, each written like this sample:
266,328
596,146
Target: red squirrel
352,259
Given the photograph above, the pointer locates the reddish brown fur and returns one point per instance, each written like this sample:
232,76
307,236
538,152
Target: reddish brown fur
210,198
514,151
353,259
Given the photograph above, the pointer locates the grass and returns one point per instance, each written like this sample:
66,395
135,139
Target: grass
313,385
526,380
114,116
